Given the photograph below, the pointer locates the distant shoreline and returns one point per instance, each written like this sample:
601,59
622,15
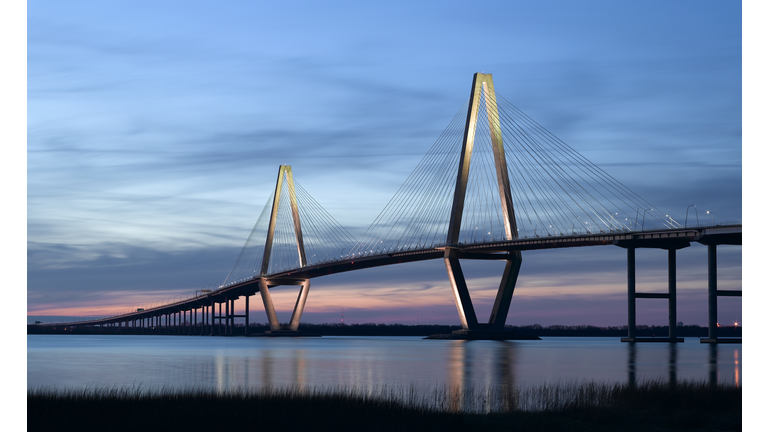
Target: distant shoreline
371,329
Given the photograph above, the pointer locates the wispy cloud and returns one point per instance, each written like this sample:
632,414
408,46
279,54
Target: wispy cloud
153,140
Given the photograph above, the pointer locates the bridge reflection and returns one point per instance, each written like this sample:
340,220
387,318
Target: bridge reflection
717,363
497,387
477,375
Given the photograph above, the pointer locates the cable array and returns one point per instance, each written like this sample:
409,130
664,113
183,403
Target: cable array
555,191
558,191
417,216
248,262
324,239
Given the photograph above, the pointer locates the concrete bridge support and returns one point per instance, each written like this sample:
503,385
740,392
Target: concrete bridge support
209,319
466,310
274,324
246,315
231,315
712,294
670,295
284,177
467,315
482,84
227,318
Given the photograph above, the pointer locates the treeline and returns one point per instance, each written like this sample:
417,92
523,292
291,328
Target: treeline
373,329
621,331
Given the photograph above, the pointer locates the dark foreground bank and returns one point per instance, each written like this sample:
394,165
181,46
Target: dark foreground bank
650,406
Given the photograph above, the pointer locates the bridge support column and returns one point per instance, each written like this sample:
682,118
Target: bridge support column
209,317
470,327
712,294
670,295
504,295
220,327
269,307
227,328
631,299
232,316
712,291
672,287
293,325
467,315
247,318
274,324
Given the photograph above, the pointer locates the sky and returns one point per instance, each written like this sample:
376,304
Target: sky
154,131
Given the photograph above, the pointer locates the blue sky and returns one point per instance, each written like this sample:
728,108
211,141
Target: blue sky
154,133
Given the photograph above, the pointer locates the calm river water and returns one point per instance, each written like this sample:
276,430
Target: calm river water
72,361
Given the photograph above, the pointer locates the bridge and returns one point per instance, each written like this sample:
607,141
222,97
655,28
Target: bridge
493,185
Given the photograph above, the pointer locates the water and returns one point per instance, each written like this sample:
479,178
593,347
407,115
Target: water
74,361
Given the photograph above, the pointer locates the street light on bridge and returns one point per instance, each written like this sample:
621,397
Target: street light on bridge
686,214
642,227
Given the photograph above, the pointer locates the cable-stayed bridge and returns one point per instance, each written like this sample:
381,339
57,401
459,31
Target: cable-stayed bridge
493,185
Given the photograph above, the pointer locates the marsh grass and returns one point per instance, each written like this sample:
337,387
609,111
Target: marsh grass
651,405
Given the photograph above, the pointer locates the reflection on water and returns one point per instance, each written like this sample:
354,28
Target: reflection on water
713,373
631,364
474,368
496,384
672,364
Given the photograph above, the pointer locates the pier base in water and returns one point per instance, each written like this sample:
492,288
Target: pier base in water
483,335
284,333
720,340
653,339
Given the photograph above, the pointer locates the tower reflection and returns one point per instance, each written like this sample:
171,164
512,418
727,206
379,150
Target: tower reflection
481,376
632,364
713,354
299,368
673,365
270,369
714,359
